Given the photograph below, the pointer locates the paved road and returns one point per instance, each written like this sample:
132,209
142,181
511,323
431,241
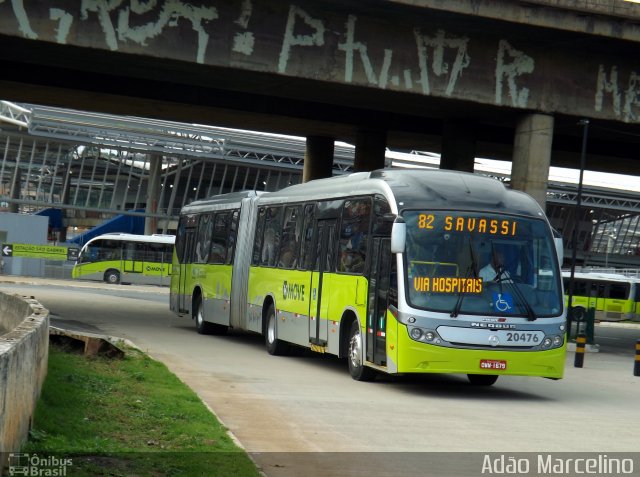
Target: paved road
305,412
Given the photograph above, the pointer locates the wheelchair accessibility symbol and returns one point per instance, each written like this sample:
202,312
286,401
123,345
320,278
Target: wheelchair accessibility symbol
503,302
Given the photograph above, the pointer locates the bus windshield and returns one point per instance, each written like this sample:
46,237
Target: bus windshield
481,264
100,250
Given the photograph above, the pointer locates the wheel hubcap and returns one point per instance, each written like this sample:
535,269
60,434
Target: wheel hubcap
199,316
354,350
271,329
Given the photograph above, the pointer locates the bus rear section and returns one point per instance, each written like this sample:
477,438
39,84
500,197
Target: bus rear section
210,262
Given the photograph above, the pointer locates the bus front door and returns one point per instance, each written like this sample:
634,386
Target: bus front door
184,293
321,282
378,301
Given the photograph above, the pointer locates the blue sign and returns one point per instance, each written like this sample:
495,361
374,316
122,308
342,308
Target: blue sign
503,302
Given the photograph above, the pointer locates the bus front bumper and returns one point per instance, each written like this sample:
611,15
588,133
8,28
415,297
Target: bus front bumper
425,358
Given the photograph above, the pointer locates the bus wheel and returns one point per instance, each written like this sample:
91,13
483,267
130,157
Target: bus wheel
274,346
482,379
204,327
358,370
112,276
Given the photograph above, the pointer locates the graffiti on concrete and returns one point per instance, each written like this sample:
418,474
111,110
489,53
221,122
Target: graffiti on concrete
511,64
623,103
303,39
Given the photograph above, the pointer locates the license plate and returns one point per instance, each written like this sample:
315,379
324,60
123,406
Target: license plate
497,364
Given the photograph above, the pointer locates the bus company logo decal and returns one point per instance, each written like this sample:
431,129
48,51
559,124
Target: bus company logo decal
493,325
293,291
151,268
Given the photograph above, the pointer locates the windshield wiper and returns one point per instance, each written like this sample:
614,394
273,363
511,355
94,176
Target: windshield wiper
473,267
503,276
458,305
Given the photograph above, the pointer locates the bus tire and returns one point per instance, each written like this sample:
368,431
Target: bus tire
274,346
112,276
482,379
357,369
204,327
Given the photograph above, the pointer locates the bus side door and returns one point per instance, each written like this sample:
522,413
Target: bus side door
321,282
378,302
184,290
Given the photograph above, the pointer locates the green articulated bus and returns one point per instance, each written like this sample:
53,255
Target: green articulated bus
126,258
399,271
614,297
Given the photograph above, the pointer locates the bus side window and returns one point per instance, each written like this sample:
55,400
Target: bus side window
380,208
135,251
272,231
233,234
618,291
109,250
354,235
257,244
180,234
219,241
307,251
159,252
203,238
290,243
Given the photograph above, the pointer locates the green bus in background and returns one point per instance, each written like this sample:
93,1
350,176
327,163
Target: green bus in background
614,297
398,271
126,258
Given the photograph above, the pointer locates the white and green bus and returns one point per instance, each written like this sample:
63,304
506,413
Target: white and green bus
384,268
613,297
126,258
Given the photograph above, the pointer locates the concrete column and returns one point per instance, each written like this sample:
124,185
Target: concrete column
16,185
458,146
371,147
532,156
318,158
153,193
64,199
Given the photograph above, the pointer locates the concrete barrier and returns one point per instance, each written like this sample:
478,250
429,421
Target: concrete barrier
24,351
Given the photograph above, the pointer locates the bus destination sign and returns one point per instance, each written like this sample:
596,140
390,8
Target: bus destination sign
482,225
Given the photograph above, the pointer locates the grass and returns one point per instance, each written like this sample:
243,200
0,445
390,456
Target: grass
131,416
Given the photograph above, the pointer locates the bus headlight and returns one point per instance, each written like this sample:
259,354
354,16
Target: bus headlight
546,343
429,336
416,333
557,341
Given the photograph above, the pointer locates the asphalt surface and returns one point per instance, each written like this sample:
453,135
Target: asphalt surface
304,415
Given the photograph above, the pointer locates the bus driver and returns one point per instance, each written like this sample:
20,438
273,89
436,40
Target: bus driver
493,268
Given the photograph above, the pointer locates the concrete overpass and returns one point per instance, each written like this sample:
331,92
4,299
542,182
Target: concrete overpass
493,78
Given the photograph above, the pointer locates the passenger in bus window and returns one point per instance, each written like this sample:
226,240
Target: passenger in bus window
358,240
494,265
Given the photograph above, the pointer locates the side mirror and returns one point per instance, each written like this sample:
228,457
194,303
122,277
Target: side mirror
398,235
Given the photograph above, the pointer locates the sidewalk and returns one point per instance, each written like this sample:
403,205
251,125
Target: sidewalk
81,284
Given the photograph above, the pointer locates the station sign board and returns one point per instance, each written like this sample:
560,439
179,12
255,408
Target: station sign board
48,252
